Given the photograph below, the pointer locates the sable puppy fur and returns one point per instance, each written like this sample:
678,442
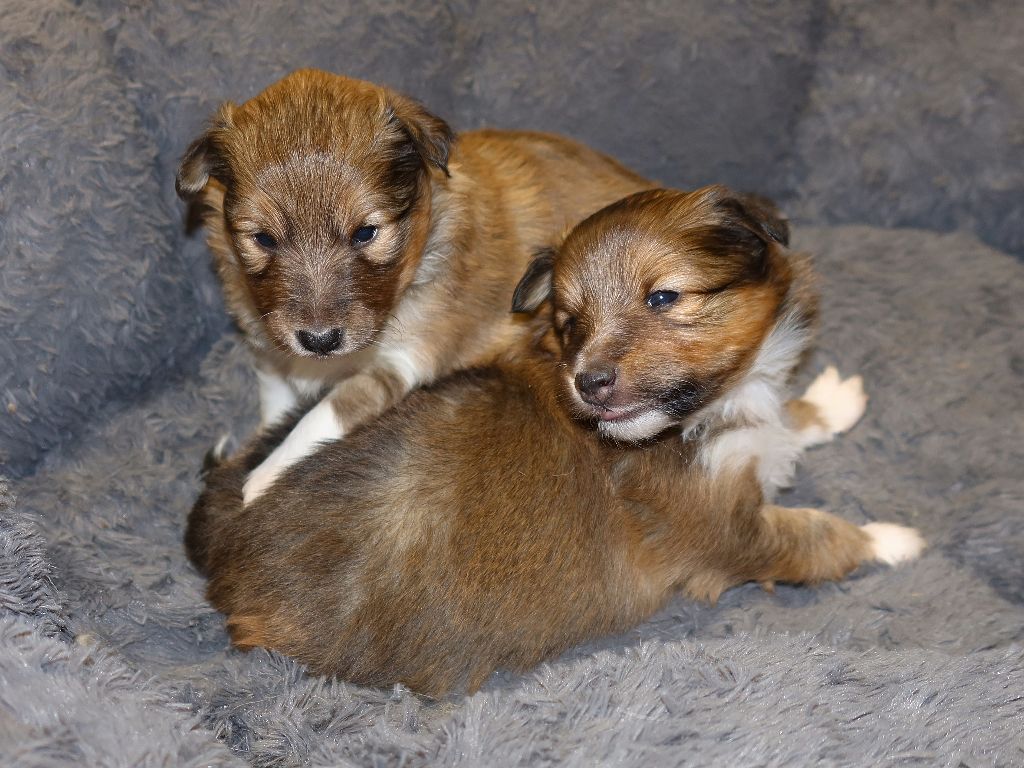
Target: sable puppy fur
361,246
485,522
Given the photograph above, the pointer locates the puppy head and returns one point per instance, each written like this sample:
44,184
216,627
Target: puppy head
326,203
660,303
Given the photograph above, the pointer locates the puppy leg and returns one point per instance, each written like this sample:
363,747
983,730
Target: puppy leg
810,546
221,497
276,397
829,407
321,424
352,402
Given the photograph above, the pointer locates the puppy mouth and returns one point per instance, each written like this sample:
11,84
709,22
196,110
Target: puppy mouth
632,424
613,413
299,352
610,412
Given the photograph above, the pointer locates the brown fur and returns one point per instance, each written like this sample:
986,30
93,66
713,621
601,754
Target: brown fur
315,157
480,524
731,288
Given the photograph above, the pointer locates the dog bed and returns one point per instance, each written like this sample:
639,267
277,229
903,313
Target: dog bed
118,370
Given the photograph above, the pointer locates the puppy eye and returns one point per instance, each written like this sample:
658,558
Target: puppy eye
363,235
568,326
265,240
661,298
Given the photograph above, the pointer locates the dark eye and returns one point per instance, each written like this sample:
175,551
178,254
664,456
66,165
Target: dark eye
265,240
661,298
363,235
568,326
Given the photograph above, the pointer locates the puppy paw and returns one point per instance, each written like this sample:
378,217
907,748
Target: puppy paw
840,402
258,481
894,544
320,425
216,455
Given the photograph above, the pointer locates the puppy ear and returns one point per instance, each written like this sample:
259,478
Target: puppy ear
535,286
432,136
203,157
760,214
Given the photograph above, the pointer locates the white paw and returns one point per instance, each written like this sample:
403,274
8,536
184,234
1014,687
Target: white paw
259,480
894,544
319,425
840,402
220,451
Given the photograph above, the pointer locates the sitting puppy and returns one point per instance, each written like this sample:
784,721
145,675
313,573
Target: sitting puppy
484,522
360,248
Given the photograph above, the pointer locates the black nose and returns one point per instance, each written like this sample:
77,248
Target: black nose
321,342
595,384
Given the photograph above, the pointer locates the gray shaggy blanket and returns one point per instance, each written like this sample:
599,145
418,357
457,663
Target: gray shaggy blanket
110,656
118,371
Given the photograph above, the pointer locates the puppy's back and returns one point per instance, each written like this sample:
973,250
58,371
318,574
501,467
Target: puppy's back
463,530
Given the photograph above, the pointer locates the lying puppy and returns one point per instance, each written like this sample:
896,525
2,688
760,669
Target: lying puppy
479,524
358,247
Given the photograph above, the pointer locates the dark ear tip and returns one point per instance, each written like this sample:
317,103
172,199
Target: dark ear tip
183,191
188,190
761,210
431,134
194,169
771,218
442,140
201,158
535,284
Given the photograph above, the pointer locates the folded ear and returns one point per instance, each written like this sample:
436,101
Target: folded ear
430,134
204,158
760,214
535,286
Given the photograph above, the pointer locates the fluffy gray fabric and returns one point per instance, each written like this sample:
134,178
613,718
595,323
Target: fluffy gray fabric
117,373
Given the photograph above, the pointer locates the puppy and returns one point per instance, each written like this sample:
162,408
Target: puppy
629,450
361,248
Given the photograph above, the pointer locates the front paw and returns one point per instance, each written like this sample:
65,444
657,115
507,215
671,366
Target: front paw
894,544
840,402
258,481
318,426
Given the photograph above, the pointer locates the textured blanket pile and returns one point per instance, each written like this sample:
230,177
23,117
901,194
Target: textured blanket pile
118,371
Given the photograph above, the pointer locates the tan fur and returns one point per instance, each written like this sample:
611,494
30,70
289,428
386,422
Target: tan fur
484,523
313,158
